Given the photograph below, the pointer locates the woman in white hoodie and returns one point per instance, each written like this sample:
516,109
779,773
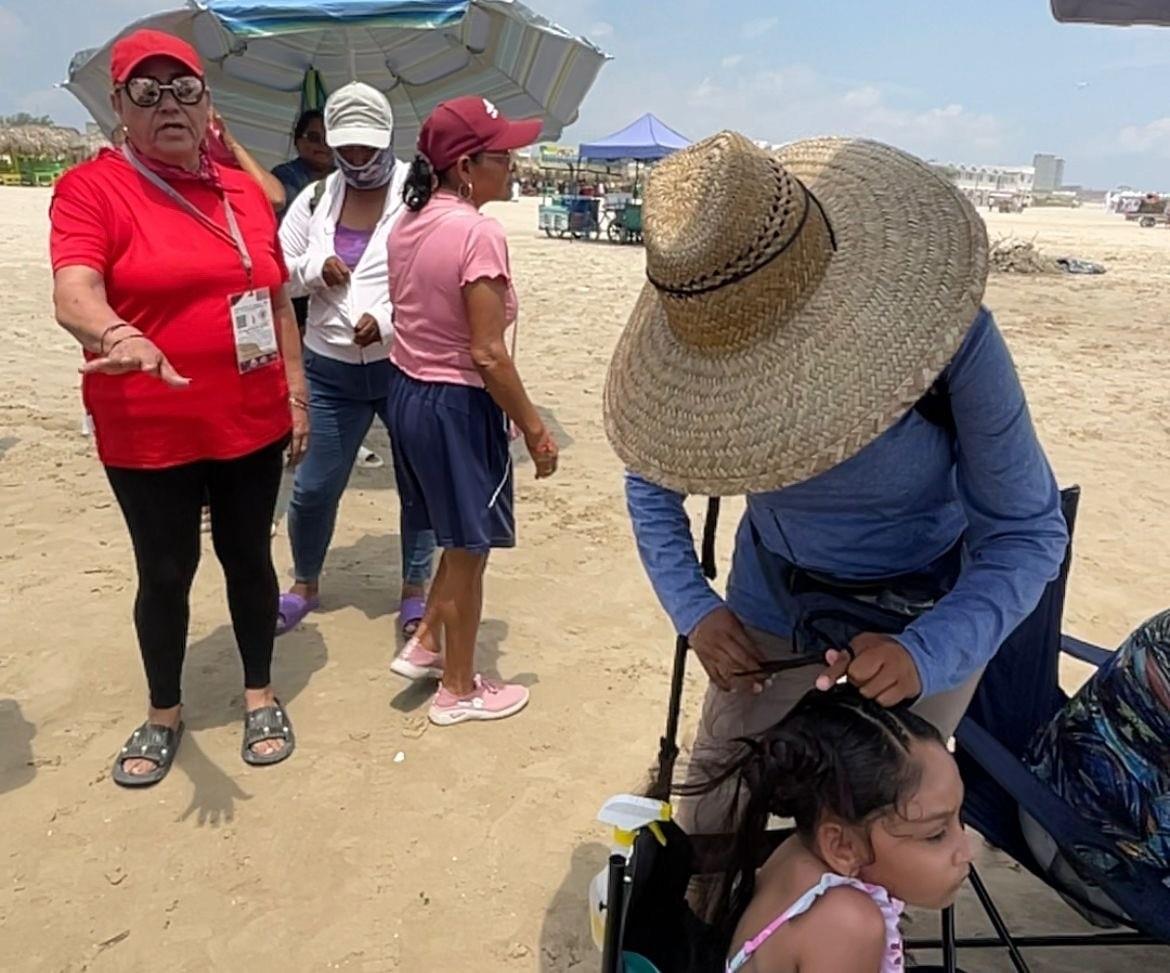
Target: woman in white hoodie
334,237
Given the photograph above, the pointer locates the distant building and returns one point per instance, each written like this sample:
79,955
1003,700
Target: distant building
981,184
1049,172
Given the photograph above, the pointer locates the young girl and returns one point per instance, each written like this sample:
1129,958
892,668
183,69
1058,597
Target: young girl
876,797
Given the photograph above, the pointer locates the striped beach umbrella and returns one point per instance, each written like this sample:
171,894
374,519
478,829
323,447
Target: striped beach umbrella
1117,12
267,58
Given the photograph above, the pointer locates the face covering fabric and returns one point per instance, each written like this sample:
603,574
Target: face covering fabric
373,175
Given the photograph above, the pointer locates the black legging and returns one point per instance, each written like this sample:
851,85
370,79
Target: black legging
162,509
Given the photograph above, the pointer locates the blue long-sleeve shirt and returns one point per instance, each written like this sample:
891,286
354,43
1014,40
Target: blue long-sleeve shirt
891,509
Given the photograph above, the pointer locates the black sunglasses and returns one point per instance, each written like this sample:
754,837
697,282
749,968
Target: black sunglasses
148,92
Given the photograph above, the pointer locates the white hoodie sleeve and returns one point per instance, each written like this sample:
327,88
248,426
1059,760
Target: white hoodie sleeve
305,265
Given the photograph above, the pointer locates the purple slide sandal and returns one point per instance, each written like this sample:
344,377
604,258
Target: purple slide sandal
292,609
410,613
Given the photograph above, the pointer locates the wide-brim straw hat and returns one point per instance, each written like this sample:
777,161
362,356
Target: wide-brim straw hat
799,302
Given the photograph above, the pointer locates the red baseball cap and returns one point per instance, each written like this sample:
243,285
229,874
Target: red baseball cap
464,126
131,50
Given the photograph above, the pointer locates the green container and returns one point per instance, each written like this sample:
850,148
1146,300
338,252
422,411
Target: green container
633,963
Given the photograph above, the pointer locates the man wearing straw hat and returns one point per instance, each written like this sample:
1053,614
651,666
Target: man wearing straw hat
803,309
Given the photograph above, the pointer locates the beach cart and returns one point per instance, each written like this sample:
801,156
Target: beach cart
1005,203
1150,211
625,225
584,216
554,219
573,216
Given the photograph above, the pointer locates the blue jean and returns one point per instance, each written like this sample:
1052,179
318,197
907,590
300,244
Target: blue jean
343,400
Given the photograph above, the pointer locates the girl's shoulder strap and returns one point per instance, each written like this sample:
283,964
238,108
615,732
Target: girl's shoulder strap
890,907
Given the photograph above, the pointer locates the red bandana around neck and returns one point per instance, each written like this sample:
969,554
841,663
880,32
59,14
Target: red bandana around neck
206,172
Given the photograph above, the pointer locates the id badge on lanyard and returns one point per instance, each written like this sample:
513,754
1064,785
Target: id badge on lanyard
253,323
254,329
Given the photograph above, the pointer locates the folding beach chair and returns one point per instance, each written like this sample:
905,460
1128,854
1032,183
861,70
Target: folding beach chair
648,925
1018,695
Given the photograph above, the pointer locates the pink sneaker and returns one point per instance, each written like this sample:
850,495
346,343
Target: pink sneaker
490,700
416,662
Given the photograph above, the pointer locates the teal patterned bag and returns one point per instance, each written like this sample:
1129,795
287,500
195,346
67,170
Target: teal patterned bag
1107,752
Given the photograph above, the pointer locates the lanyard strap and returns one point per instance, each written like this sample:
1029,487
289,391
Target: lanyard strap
233,232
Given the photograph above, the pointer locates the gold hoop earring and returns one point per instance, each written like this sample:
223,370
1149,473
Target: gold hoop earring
465,190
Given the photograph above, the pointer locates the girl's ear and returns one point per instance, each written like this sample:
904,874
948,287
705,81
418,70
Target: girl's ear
843,847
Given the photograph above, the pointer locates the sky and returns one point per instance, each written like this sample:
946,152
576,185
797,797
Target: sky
964,81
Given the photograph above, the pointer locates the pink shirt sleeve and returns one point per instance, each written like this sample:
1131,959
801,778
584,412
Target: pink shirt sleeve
485,254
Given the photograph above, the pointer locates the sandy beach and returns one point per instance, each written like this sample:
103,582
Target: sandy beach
473,850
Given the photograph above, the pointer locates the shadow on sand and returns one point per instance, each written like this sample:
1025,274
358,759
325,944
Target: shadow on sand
17,764
565,940
213,697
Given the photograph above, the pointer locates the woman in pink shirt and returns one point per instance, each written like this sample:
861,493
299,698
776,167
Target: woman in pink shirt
454,387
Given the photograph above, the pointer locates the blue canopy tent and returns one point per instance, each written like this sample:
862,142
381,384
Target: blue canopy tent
647,139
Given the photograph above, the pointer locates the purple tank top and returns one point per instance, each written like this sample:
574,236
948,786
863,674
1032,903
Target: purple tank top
349,245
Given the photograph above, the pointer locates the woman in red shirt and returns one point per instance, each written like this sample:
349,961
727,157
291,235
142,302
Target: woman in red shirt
168,272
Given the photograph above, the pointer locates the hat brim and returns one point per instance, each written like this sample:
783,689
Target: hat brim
894,304
517,135
365,135
128,71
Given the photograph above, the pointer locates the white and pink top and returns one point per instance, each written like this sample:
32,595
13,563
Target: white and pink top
892,961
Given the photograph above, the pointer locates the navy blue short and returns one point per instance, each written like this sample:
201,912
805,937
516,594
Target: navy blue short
452,463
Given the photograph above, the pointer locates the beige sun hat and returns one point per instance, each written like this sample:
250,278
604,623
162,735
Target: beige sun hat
799,302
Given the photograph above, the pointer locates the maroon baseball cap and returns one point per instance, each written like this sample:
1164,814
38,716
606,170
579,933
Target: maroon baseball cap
464,126
131,50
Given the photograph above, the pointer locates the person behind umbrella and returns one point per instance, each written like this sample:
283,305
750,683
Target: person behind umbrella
336,253
314,158
168,271
454,386
811,335
233,152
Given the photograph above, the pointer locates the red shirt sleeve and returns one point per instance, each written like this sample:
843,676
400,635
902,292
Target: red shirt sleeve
485,254
81,226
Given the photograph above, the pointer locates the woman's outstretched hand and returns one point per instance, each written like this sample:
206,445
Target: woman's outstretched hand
136,353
